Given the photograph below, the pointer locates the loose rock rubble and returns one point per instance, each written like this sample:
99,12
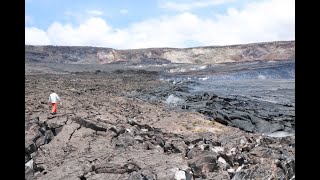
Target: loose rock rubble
104,130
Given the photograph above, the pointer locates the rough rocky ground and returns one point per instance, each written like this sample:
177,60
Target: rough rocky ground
105,129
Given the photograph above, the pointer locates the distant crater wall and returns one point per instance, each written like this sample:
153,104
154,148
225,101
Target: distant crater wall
280,50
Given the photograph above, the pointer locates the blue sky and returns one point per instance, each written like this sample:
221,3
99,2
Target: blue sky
126,24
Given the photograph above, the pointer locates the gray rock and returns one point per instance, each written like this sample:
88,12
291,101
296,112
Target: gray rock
204,164
48,136
245,125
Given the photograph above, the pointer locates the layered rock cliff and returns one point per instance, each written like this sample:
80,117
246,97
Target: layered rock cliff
280,50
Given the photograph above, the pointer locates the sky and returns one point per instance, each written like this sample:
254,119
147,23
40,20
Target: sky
132,24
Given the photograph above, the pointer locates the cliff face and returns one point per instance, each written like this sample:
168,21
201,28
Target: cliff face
281,50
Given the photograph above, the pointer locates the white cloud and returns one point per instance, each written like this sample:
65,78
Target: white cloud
191,4
268,20
28,19
80,17
94,31
36,36
94,13
123,11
